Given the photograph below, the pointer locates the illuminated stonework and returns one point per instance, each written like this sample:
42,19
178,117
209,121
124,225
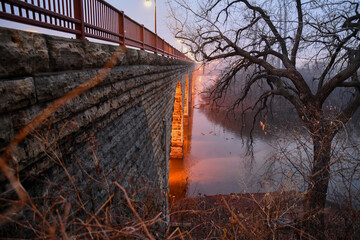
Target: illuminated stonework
186,102
177,130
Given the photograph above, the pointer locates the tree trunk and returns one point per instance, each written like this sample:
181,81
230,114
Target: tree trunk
318,185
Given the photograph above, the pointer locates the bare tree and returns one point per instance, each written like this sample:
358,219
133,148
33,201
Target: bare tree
250,36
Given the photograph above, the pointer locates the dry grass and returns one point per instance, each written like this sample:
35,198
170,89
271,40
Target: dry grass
67,211
120,216
238,216
276,215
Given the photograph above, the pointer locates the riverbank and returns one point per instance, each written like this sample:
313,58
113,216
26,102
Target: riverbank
254,216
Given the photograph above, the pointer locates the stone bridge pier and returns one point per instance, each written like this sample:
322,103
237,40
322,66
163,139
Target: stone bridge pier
122,130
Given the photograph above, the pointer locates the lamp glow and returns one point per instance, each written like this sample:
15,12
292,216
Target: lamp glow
148,3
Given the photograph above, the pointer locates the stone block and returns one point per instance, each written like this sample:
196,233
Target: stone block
129,84
22,53
145,57
96,54
16,94
65,54
120,100
54,85
131,57
86,100
7,130
136,92
121,73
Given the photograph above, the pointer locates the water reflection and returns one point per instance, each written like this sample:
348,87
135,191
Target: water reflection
217,162
178,179
215,158
179,172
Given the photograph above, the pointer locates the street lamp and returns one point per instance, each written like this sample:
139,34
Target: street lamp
148,3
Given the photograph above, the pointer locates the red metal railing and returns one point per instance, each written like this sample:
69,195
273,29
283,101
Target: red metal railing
87,18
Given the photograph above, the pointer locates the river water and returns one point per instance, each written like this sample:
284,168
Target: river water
216,160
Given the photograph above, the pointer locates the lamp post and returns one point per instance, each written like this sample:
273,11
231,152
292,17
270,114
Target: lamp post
148,4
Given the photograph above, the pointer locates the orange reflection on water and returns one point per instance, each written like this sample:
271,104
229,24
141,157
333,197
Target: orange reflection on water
179,173
178,178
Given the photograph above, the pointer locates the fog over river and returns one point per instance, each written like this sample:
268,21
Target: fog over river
216,159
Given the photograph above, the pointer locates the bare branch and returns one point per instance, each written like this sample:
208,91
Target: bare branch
338,79
298,32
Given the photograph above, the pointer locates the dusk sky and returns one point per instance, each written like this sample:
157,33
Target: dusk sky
135,9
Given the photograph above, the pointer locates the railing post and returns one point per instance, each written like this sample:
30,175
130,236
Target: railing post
163,47
156,39
142,37
122,27
79,15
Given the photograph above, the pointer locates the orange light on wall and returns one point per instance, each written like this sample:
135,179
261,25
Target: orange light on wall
186,102
177,129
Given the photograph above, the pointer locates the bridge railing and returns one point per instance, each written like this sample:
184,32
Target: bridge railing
87,18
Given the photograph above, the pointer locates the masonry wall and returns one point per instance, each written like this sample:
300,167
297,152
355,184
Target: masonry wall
119,131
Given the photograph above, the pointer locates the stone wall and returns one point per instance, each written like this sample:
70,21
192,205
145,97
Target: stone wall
119,131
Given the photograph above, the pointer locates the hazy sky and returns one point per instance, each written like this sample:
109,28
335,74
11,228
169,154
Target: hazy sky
135,9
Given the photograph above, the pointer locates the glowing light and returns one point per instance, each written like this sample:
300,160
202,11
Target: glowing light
178,176
186,107
178,179
33,31
148,3
200,78
177,131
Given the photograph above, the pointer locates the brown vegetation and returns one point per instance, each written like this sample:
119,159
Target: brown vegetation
276,215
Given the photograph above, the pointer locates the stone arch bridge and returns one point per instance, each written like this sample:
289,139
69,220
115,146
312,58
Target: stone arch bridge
118,131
